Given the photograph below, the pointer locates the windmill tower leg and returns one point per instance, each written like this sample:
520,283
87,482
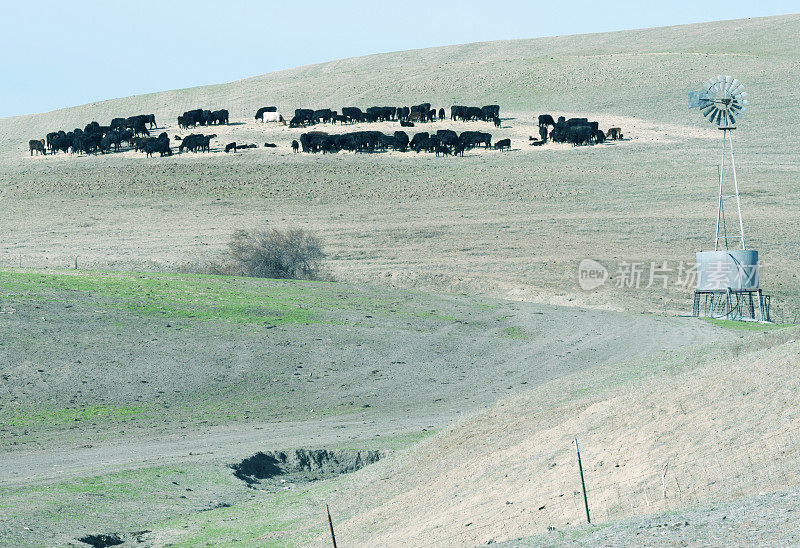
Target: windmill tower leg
736,191
721,180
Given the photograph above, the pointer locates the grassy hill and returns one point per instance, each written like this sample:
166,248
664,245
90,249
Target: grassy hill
122,376
691,435
509,225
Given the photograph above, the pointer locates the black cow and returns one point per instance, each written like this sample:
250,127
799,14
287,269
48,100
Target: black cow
220,117
158,144
353,114
490,112
447,137
270,145
295,145
401,140
503,144
37,146
472,139
230,146
323,115
441,114
418,138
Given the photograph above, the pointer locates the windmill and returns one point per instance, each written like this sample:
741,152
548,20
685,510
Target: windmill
727,279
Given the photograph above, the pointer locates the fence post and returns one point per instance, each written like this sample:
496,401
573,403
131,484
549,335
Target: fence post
583,483
330,524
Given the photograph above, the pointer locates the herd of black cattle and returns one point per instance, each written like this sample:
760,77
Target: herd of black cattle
134,131
407,116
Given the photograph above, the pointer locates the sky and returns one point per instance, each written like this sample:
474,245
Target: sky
59,54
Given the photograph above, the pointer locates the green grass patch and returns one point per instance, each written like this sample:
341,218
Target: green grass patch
746,326
58,417
513,332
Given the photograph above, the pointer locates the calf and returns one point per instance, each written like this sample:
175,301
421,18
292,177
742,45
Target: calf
230,146
503,144
38,146
614,133
295,145
270,145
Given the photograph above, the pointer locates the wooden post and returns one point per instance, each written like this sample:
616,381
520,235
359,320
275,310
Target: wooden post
583,483
330,524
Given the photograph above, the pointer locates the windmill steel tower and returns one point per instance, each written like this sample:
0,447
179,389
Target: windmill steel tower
727,279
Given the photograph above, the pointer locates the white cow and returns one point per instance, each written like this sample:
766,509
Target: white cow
274,117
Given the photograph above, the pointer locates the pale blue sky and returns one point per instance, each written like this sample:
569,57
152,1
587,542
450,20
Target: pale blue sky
58,54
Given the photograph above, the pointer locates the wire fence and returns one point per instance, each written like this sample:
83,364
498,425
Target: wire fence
618,486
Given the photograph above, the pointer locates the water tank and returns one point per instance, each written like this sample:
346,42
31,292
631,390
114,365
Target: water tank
731,269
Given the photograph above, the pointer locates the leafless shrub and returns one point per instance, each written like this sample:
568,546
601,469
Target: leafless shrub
292,254
286,254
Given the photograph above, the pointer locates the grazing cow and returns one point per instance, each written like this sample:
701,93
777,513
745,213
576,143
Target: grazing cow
418,138
472,139
490,112
503,144
420,112
195,141
598,136
305,114
270,145
614,133
119,123
579,135
322,116
38,146
126,136
158,144
260,112
473,113
112,138
273,117
230,146
295,145
546,120
353,114
447,137
219,117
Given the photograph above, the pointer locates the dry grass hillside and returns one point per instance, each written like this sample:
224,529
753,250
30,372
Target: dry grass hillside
510,224
672,447
653,439
129,389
